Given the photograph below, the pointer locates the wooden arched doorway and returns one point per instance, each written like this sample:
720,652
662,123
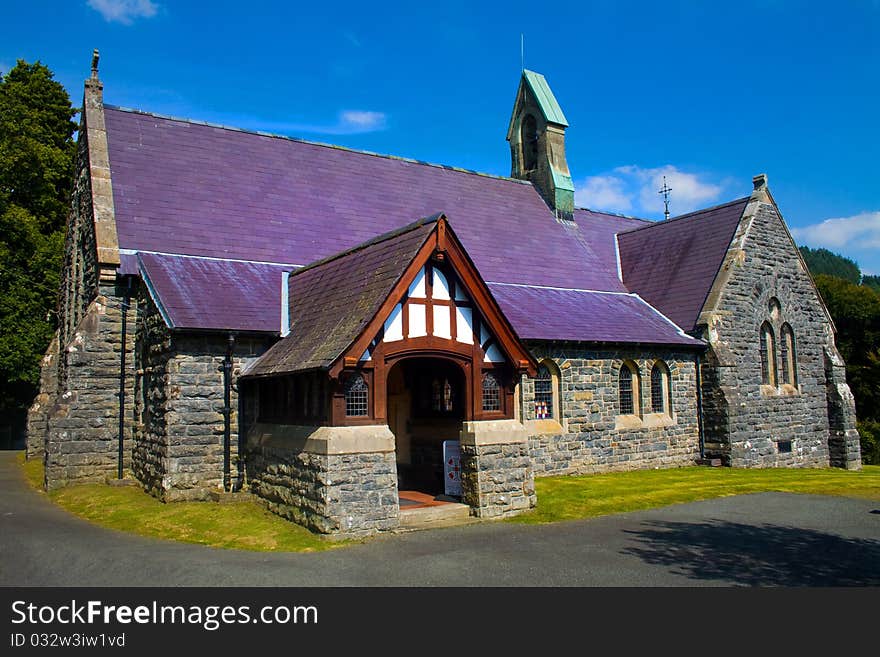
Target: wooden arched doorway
426,404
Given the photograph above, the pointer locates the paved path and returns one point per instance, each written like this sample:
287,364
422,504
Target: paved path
764,539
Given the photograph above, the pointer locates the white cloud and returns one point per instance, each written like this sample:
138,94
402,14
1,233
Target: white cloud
634,188
124,11
362,121
603,193
348,122
860,231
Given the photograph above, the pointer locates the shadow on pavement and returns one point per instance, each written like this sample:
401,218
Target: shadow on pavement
758,555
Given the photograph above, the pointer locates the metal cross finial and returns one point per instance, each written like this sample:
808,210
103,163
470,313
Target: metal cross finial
665,191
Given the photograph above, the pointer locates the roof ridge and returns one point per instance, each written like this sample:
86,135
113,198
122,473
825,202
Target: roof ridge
261,133
384,237
614,214
689,215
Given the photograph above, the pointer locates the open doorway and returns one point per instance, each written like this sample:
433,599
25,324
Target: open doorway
426,406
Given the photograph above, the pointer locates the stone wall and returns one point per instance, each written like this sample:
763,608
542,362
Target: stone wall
152,352
591,436
333,480
83,424
179,448
497,478
38,414
749,424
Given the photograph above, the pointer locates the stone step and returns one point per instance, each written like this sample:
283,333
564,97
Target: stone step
442,515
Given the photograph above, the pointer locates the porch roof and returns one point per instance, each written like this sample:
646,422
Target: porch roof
332,301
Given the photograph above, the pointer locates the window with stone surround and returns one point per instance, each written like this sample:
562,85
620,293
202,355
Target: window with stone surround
628,389
768,355
660,397
788,355
356,401
546,386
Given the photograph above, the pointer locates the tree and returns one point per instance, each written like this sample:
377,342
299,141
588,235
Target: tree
856,313
823,261
36,167
872,282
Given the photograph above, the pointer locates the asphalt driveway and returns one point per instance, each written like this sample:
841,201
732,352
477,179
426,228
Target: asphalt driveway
765,539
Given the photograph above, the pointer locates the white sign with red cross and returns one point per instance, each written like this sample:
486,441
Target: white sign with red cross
452,467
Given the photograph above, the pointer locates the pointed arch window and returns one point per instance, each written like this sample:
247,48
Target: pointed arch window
660,388
768,355
356,396
546,402
789,355
628,389
491,393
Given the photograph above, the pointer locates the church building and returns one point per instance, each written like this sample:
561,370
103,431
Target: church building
343,334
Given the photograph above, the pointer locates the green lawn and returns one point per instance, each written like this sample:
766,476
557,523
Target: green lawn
248,526
569,498
238,525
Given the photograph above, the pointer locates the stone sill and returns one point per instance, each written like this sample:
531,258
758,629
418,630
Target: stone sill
544,427
785,390
649,421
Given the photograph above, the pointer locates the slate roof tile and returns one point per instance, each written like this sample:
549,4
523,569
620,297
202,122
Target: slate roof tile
332,301
672,264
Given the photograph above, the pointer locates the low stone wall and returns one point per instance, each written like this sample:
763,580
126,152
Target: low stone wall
496,471
333,480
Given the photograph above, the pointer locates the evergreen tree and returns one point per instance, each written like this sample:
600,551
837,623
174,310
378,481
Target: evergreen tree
823,261
36,166
872,282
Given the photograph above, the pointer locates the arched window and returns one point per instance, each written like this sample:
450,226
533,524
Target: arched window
356,396
789,355
768,355
628,389
660,388
491,393
545,392
529,139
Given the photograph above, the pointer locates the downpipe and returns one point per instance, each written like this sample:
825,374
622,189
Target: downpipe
227,413
126,304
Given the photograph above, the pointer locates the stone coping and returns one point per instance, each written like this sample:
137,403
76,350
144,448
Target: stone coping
493,432
323,440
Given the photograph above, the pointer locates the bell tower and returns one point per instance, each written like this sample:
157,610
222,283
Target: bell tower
537,143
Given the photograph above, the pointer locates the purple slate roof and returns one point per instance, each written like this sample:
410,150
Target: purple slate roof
672,264
332,301
249,206
214,294
183,187
611,317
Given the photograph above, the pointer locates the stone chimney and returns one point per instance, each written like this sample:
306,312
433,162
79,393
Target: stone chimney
537,143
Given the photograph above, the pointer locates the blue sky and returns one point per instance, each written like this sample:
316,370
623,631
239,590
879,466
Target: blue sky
706,93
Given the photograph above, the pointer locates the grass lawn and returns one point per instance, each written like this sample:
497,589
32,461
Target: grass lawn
569,498
248,526
238,525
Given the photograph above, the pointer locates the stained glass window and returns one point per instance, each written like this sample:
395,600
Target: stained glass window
356,396
625,388
768,356
491,393
544,393
658,390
